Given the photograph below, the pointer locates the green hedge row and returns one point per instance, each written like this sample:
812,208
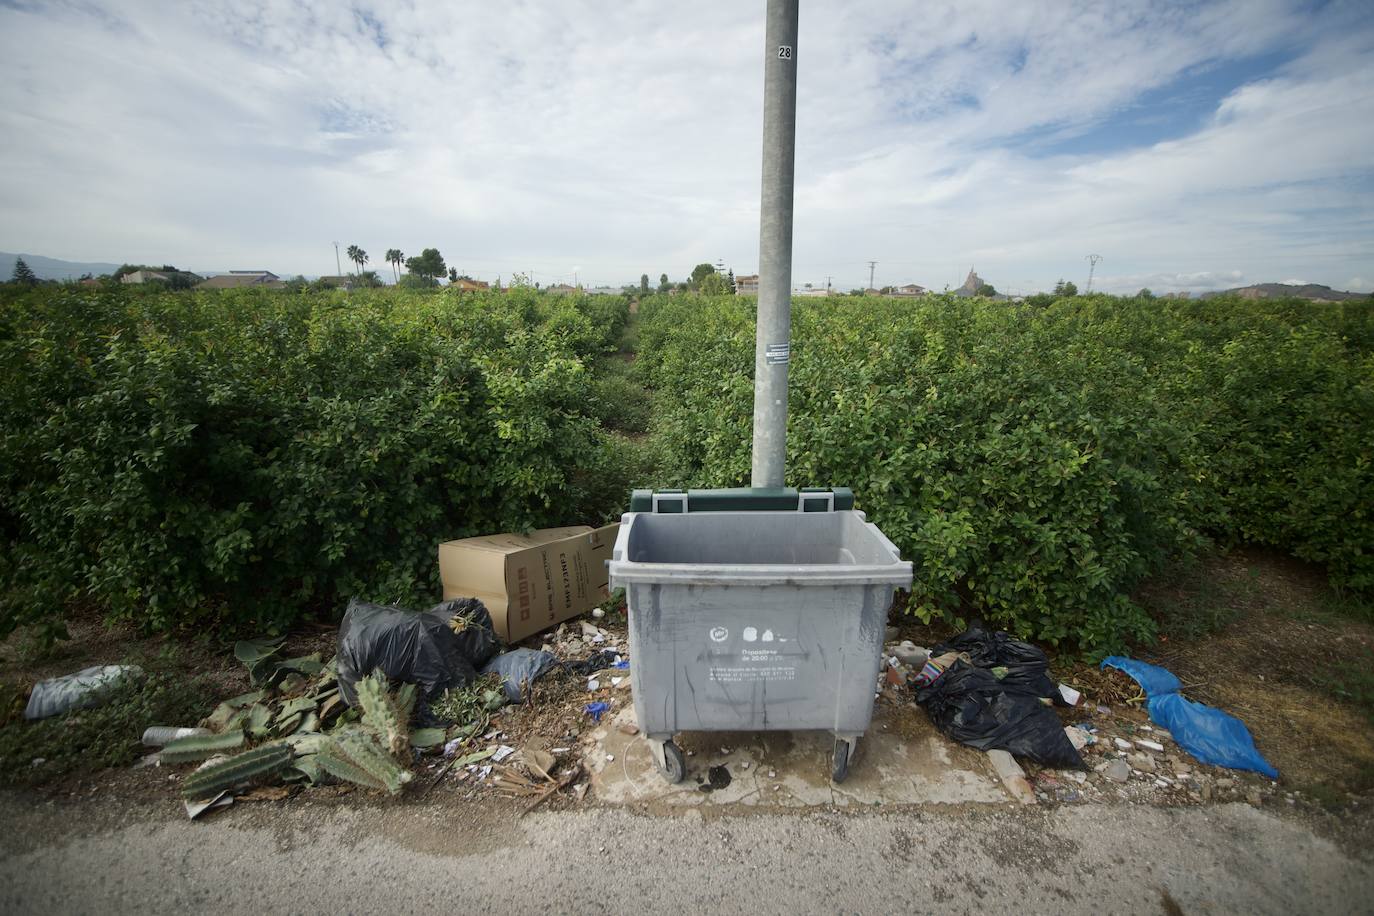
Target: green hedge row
1037,462
249,456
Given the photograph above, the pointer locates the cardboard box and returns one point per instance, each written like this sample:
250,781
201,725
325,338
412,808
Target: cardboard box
530,582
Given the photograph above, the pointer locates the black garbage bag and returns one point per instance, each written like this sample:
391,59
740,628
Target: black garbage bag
602,658
415,647
477,639
1027,665
975,707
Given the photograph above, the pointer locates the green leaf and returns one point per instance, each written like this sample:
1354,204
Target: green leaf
423,738
259,716
260,657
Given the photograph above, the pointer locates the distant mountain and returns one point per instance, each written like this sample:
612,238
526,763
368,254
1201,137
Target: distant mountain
52,268
1314,291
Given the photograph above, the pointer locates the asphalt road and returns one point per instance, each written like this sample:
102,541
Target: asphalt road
422,858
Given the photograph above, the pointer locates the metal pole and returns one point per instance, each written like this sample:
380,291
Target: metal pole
772,346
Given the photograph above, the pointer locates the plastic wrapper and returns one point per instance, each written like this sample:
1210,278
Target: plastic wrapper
88,687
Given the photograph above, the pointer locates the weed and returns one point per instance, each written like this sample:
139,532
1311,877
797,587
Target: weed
473,703
621,404
1329,797
1350,680
106,736
1198,602
1348,607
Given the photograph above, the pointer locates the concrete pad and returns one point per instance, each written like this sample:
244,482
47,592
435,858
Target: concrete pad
901,760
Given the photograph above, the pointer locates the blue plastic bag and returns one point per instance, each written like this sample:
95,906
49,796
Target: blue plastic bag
517,667
1210,735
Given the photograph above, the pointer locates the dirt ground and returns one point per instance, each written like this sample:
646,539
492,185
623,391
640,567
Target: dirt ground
1280,665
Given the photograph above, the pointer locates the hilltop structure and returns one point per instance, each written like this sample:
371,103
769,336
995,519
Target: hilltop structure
972,284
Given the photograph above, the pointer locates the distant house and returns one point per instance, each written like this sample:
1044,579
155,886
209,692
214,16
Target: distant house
911,289
747,286
812,291
464,285
561,289
181,279
235,279
143,276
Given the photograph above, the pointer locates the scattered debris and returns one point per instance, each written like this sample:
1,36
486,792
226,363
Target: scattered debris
541,762
1012,776
1142,762
717,777
596,710
158,735
908,653
269,793
194,809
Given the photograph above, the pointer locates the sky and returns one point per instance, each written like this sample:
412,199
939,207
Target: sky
1192,146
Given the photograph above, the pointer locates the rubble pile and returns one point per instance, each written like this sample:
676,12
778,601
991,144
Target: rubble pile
1125,757
440,721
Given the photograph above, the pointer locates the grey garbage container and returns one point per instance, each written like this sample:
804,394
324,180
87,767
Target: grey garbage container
754,620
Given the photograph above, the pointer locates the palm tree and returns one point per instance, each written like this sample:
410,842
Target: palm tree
357,256
394,258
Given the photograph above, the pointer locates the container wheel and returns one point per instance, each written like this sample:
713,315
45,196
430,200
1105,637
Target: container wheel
675,765
839,764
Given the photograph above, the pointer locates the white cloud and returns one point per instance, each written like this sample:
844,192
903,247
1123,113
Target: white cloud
615,139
